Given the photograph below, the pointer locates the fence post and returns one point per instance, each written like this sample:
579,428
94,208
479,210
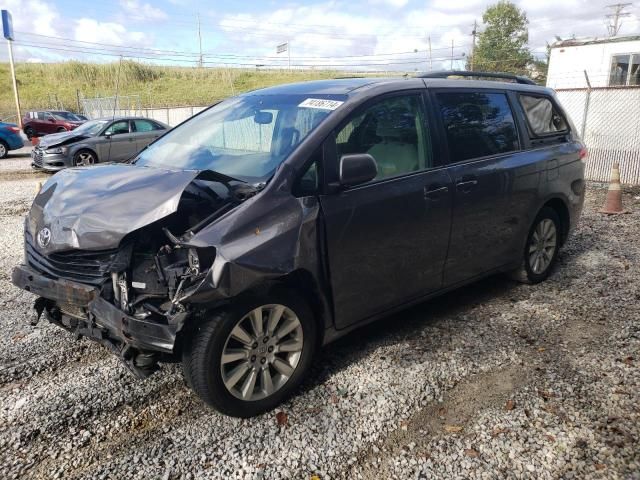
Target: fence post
586,106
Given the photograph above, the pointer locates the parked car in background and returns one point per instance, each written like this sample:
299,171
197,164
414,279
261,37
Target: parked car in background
44,122
113,139
279,220
10,138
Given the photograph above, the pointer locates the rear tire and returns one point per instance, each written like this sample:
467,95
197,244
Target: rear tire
29,132
4,149
541,249
61,130
242,375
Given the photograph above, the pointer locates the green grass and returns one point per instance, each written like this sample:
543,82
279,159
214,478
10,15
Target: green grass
54,85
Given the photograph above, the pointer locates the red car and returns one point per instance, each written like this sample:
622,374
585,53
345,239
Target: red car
49,121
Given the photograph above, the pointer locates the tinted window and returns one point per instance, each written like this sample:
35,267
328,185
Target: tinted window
477,124
143,126
393,132
118,127
543,117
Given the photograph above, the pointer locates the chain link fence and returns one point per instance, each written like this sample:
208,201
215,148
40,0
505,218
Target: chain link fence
608,120
108,106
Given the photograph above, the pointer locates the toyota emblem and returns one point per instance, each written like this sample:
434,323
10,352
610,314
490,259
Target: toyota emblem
44,237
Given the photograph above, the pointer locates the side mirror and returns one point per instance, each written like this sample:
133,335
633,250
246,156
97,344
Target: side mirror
357,169
51,119
108,134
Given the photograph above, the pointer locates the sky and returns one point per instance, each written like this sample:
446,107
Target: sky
340,34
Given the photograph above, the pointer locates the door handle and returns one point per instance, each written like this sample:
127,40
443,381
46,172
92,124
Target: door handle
434,192
465,185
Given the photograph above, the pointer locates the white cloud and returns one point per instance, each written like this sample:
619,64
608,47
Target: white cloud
391,3
32,16
90,30
142,10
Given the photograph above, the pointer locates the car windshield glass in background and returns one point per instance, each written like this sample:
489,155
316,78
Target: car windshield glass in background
92,127
477,124
68,116
543,118
245,137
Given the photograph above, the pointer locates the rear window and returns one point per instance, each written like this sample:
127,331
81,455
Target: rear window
477,124
543,117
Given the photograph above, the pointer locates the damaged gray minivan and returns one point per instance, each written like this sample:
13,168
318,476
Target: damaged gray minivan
273,222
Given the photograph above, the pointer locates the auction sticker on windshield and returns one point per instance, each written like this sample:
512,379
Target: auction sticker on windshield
321,103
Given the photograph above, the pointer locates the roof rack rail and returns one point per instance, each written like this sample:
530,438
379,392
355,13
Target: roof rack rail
464,73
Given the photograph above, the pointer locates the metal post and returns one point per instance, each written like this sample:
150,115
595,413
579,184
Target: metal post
430,56
15,84
586,106
474,34
199,42
289,53
452,54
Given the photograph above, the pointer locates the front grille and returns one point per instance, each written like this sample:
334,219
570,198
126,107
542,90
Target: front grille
37,156
83,266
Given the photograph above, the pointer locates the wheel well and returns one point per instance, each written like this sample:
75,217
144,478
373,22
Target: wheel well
563,212
298,281
303,283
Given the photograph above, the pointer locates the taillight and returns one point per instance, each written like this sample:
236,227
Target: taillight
14,129
583,154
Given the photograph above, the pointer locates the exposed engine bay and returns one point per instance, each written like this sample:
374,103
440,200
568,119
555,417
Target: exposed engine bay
143,282
161,265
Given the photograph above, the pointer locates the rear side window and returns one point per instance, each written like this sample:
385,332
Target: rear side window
543,117
144,126
477,124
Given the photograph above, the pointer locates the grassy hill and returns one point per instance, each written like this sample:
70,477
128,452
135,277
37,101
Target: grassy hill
55,85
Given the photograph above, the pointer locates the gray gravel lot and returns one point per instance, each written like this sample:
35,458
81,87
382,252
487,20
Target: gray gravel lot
497,380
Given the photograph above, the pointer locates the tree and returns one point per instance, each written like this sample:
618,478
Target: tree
502,46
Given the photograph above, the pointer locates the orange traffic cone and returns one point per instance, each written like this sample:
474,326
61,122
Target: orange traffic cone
613,203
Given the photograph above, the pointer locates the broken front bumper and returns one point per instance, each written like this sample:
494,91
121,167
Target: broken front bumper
103,321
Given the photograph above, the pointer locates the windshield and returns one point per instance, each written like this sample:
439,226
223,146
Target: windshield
68,116
91,127
244,137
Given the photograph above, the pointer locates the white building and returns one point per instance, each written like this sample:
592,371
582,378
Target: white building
609,62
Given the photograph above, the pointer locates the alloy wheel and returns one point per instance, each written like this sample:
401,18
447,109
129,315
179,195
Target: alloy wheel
84,159
542,246
3,150
261,352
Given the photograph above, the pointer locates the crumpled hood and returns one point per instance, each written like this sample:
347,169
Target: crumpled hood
93,208
54,139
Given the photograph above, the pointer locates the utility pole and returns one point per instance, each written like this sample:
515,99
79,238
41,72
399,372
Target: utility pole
615,24
451,54
289,53
199,40
430,56
474,34
15,84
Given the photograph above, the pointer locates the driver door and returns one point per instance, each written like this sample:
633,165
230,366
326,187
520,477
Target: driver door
387,239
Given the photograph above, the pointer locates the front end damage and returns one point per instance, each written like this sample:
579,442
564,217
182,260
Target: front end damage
131,277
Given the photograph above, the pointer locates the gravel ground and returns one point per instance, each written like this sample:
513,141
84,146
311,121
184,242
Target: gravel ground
497,380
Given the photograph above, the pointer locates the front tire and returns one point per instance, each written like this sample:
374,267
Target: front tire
541,249
84,158
4,149
248,357
29,132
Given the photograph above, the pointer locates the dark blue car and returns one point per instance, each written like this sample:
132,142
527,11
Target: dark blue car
10,138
